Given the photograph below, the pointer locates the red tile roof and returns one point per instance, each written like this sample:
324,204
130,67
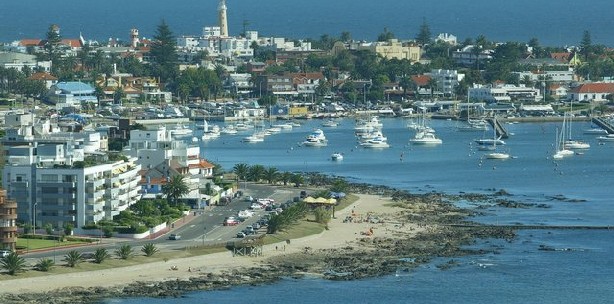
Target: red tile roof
42,76
73,43
421,80
597,87
30,42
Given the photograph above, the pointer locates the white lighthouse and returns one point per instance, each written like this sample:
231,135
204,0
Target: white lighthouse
221,9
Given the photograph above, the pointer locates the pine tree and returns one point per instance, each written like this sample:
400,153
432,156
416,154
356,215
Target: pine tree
424,35
164,54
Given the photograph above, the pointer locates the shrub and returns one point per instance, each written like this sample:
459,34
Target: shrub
13,263
124,252
149,249
100,255
73,258
44,264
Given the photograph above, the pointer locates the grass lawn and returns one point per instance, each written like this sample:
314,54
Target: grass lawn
33,244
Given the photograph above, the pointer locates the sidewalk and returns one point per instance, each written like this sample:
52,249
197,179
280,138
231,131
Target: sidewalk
174,225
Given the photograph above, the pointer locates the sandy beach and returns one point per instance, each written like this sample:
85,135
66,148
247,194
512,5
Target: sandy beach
340,234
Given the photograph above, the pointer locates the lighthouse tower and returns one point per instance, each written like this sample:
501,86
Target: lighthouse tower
221,9
134,37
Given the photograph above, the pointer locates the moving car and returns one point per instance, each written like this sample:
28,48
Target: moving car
174,237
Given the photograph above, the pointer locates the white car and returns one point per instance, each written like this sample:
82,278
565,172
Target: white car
4,253
255,206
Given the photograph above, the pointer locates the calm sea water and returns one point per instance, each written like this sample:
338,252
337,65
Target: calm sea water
554,23
581,271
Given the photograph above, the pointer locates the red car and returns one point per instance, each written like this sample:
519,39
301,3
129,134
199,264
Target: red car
231,221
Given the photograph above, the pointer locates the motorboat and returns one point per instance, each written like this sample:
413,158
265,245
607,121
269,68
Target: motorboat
316,139
376,142
497,155
336,156
425,138
609,137
490,141
595,131
330,123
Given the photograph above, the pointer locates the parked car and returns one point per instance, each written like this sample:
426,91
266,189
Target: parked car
174,237
231,221
240,235
4,253
256,225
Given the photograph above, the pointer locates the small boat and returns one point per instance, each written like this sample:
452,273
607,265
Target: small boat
496,155
595,131
609,137
316,139
330,123
490,141
336,156
425,138
377,142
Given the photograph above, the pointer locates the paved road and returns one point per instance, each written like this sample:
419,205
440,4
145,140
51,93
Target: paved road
205,228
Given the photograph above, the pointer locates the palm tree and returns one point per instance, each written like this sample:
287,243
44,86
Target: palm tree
73,258
124,252
297,180
100,255
241,171
44,264
149,249
13,263
271,175
285,177
256,172
175,188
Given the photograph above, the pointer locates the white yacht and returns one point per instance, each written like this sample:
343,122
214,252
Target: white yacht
336,156
425,138
376,142
316,139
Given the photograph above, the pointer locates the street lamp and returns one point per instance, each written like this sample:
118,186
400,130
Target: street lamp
34,219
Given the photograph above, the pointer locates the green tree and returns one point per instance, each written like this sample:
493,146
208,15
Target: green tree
424,34
13,263
271,175
256,173
586,44
241,170
297,180
52,43
124,252
175,188
385,36
100,255
149,249
73,258
44,264
164,54
285,177
345,36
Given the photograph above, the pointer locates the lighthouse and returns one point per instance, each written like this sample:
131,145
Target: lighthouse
221,9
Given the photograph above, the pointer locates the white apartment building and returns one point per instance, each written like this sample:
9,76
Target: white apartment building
503,93
447,80
154,147
550,76
52,187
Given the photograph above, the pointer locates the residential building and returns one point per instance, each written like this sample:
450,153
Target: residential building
52,185
591,92
393,49
45,77
565,76
446,81
8,222
71,94
20,61
469,56
503,93
447,38
239,84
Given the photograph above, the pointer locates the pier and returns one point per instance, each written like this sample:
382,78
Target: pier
604,124
496,124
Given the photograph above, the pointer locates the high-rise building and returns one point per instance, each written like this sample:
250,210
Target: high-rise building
8,222
221,9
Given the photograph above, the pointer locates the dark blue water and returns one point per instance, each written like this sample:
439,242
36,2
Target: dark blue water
581,270
554,23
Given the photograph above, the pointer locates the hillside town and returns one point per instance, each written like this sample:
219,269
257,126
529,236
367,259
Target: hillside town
92,127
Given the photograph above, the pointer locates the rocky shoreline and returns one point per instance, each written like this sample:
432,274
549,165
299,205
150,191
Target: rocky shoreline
445,237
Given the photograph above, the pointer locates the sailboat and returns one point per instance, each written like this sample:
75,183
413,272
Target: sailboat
571,143
560,151
495,154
